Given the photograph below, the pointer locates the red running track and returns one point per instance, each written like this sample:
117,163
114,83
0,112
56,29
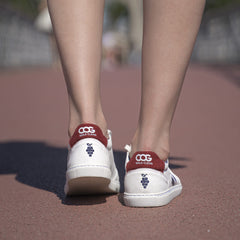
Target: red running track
204,153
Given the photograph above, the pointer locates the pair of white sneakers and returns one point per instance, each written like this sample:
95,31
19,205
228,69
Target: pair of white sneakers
91,169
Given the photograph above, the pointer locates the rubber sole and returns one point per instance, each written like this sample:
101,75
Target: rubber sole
152,199
85,180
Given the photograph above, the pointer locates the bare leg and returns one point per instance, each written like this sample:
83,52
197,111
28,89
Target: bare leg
170,29
78,28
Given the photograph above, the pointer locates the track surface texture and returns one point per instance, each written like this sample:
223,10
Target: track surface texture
205,154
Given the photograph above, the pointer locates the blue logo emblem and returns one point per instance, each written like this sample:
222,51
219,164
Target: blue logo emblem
89,149
145,180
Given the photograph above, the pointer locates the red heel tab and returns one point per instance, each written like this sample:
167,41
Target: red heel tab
145,159
88,130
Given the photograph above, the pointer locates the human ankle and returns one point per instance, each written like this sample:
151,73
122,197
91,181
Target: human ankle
158,144
162,153
99,121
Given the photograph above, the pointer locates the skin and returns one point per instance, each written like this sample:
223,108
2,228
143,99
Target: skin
169,33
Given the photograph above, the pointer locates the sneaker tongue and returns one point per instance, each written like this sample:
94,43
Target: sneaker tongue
145,159
88,130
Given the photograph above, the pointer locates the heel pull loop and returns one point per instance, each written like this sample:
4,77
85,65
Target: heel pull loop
128,148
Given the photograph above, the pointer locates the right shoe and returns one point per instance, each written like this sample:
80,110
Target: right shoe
90,166
149,182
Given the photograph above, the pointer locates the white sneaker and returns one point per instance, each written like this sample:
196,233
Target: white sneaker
149,182
90,166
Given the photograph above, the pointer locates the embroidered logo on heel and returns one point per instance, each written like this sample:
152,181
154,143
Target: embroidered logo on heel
145,180
89,149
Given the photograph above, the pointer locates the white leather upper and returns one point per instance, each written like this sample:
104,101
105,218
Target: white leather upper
78,155
147,180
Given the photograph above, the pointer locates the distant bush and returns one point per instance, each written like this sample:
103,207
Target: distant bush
116,10
216,4
28,8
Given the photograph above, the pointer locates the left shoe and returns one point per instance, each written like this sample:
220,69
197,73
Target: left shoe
149,182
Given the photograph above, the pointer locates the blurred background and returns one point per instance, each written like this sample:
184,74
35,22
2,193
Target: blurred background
26,37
